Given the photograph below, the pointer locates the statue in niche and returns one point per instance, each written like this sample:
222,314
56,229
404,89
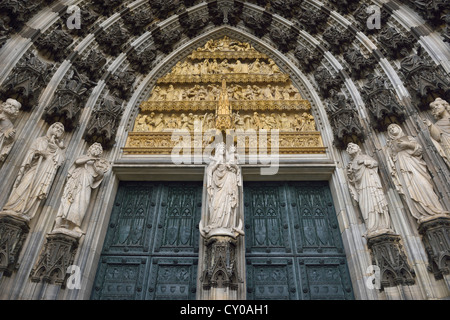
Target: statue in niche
85,174
365,187
223,176
440,131
8,112
36,173
410,174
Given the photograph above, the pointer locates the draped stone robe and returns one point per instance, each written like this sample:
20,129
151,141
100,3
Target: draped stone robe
35,177
83,176
365,186
414,178
223,189
440,132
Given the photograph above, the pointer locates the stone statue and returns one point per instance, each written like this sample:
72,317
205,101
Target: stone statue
410,174
8,112
86,174
36,174
365,187
440,131
223,182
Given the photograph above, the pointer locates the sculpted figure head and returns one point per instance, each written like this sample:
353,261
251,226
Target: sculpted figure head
353,149
95,150
394,131
439,108
11,107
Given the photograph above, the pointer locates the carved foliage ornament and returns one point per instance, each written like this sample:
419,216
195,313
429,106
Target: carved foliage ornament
359,65
57,255
223,13
382,103
394,43
388,255
313,20
102,125
69,100
26,81
424,81
111,41
309,59
259,23
344,120
55,44
13,233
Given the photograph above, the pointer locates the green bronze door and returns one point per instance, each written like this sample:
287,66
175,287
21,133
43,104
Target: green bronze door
293,245
151,247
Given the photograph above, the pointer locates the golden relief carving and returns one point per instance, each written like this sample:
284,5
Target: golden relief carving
225,85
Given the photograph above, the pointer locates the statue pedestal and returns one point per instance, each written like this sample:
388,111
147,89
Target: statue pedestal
13,232
436,239
388,255
57,255
220,277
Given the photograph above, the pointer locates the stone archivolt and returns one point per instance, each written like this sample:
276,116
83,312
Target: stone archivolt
260,96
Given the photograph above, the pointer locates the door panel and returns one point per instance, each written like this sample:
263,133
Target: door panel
310,254
151,247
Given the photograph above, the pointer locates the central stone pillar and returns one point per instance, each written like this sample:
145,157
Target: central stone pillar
222,250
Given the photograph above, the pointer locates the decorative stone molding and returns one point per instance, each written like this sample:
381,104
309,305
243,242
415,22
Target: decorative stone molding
313,21
121,83
382,103
57,255
326,82
286,39
193,23
136,22
388,255
287,8
259,23
13,232
142,61
164,40
112,41
102,126
436,238
424,81
338,40
220,269
308,59
344,120
27,80
359,65
224,13
92,65
55,45
69,100
394,43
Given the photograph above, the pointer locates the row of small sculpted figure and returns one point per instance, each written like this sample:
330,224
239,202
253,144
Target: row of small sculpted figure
408,171
235,92
159,122
38,169
225,67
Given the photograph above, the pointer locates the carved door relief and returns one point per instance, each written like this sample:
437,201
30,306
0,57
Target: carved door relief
293,245
151,247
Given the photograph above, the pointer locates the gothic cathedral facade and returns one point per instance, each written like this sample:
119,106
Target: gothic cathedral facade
224,150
